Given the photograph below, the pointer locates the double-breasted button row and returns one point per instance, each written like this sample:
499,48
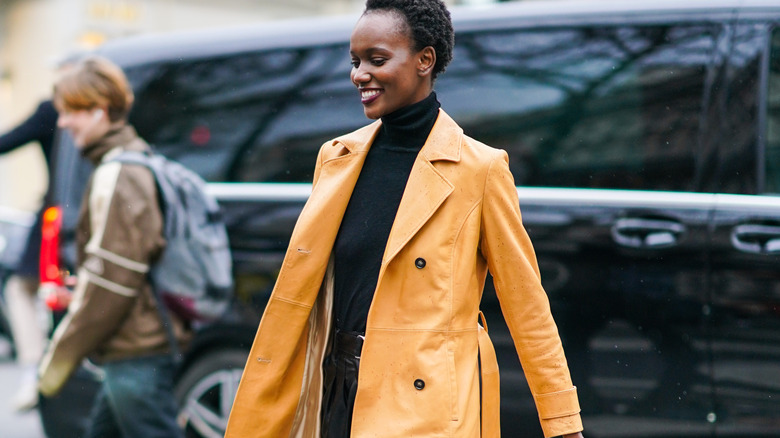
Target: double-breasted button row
419,384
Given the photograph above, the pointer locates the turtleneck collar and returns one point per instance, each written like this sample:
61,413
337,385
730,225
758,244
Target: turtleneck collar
408,127
123,136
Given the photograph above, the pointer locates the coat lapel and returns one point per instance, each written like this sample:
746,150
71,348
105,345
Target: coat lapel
426,188
340,170
319,222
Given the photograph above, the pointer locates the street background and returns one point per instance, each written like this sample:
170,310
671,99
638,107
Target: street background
14,424
36,34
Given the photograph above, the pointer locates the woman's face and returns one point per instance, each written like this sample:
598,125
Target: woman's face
85,126
385,68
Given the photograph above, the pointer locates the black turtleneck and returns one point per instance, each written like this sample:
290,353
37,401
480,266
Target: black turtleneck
369,217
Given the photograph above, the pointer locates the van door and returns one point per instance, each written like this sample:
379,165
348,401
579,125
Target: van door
746,240
603,125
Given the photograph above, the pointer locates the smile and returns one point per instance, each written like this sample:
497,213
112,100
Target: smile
368,96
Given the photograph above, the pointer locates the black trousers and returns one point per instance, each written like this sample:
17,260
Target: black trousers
340,377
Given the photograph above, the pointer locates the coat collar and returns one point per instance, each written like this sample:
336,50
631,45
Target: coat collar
444,141
431,187
319,222
123,137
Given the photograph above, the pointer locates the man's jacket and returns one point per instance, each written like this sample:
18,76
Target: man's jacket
113,314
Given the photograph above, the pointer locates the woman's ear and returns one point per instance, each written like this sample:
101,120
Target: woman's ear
426,59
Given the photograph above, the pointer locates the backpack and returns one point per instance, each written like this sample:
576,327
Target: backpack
193,276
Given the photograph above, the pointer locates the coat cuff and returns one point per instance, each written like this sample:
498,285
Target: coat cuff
559,412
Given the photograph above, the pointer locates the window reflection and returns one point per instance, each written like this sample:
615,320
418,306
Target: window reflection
250,117
773,118
613,107
737,168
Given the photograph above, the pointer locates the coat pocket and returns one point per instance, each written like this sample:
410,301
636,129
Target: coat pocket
452,371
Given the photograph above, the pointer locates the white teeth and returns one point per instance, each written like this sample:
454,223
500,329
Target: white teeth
367,94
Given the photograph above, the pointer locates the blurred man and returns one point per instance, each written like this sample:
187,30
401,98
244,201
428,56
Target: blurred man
113,317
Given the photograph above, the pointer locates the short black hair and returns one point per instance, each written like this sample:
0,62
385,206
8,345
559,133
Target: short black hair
430,25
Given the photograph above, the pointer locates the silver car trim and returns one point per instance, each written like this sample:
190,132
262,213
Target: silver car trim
300,192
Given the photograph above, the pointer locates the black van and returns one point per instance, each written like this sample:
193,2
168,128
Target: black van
644,138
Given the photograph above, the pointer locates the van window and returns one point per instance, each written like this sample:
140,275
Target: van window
250,117
737,113
772,159
592,107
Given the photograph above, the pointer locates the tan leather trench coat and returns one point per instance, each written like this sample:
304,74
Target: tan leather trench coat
460,214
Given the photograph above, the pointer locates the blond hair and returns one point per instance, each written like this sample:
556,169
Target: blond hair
94,82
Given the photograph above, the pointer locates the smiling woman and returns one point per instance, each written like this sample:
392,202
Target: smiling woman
386,68
372,325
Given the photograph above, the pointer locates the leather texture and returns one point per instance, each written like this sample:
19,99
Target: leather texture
419,372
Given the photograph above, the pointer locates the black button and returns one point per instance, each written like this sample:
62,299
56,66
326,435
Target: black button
419,384
420,263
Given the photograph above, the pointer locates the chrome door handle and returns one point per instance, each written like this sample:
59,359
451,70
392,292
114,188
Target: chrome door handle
646,233
756,238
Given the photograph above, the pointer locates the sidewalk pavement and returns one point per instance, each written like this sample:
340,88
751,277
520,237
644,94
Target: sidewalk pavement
14,424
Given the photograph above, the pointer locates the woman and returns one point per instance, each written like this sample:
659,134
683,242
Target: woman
21,289
372,327
113,318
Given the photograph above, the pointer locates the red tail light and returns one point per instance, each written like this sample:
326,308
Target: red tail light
50,273
50,247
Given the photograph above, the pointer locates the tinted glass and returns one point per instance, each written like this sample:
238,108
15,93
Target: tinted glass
611,107
737,166
772,162
252,117
598,107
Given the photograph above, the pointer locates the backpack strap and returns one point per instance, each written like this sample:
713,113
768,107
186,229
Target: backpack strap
142,159
165,318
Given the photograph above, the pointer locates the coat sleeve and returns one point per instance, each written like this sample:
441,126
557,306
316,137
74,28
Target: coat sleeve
125,231
264,405
512,262
40,125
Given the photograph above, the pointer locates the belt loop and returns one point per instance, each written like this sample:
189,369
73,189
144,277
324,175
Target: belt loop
483,320
362,339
